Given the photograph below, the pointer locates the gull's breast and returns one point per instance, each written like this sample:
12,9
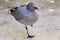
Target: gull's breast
30,19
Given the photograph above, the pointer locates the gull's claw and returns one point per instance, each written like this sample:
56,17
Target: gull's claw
30,36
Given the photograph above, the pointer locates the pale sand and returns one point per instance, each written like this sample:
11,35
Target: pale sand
46,28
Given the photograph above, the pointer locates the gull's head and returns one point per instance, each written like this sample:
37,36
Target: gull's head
32,7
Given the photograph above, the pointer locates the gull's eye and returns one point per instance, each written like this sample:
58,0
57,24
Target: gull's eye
35,8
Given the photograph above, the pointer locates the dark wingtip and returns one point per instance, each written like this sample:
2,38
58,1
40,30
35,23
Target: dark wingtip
13,9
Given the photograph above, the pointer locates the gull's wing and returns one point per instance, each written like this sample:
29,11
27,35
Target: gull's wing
23,5
17,13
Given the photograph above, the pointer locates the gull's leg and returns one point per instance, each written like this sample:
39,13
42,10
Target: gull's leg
29,36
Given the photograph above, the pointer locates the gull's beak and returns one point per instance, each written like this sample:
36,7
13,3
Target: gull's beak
35,8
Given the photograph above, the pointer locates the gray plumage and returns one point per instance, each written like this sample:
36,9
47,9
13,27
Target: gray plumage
25,14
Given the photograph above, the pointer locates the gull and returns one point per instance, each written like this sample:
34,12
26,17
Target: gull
26,14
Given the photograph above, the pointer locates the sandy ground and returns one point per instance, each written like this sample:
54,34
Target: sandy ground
46,28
